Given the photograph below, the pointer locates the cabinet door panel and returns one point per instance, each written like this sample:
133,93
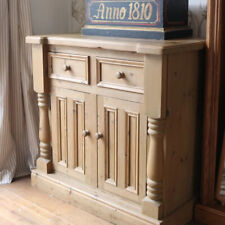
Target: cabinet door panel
61,106
132,151
73,152
122,150
77,126
111,145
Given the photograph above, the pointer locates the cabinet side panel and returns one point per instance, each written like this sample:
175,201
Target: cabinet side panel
182,131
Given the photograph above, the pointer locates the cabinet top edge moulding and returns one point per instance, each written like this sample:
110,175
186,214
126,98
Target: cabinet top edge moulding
141,46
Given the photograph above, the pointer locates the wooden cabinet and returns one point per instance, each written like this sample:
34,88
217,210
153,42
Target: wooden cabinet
123,124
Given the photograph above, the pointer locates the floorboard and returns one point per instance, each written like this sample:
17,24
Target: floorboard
22,204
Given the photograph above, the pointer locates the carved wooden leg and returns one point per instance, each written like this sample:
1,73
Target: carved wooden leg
44,162
153,203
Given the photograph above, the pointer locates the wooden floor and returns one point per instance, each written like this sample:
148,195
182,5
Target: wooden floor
21,204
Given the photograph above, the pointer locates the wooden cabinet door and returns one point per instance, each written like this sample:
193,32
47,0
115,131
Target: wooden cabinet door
73,128
122,148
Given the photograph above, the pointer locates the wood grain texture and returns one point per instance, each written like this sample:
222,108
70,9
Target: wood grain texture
40,68
73,68
183,129
44,162
127,140
207,213
212,90
220,177
133,74
22,204
117,169
125,44
79,154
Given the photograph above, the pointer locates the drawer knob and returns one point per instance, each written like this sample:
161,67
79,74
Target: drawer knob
66,67
86,133
120,75
98,136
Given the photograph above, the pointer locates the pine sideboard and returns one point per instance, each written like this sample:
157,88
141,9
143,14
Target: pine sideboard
119,127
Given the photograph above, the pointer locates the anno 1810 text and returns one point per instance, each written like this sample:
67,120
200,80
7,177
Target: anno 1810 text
135,11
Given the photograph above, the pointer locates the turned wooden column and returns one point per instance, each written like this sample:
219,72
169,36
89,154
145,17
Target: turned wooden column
155,160
44,162
156,111
41,87
153,203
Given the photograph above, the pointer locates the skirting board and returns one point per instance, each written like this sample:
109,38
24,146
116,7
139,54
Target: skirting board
115,210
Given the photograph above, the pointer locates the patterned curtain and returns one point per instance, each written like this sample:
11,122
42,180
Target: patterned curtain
198,17
18,108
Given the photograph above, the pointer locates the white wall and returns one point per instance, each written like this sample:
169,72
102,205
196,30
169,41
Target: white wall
51,16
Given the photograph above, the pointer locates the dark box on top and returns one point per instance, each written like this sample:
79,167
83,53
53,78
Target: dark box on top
154,19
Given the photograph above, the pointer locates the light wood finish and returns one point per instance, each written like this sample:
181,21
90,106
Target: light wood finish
141,46
120,74
155,85
182,131
39,55
74,68
41,86
122,149
153,203
44,162
115,141
72,113
22,204
107,206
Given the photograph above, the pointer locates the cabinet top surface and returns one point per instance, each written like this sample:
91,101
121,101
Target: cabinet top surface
141,46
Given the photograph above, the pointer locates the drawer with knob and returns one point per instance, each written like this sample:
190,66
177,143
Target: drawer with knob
73,68
120,74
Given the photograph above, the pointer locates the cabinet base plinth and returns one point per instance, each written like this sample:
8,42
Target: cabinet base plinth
44,165
116,210
152,208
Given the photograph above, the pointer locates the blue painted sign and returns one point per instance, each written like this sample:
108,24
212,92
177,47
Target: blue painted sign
126,13
155,19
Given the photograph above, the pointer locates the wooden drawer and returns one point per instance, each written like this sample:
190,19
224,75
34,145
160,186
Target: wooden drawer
74,68
120,74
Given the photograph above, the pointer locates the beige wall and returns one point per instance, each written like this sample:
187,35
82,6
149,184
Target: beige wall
50,16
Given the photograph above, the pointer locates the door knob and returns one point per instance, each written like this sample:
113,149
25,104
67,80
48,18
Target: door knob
66,67
86,133
98,136
120,75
